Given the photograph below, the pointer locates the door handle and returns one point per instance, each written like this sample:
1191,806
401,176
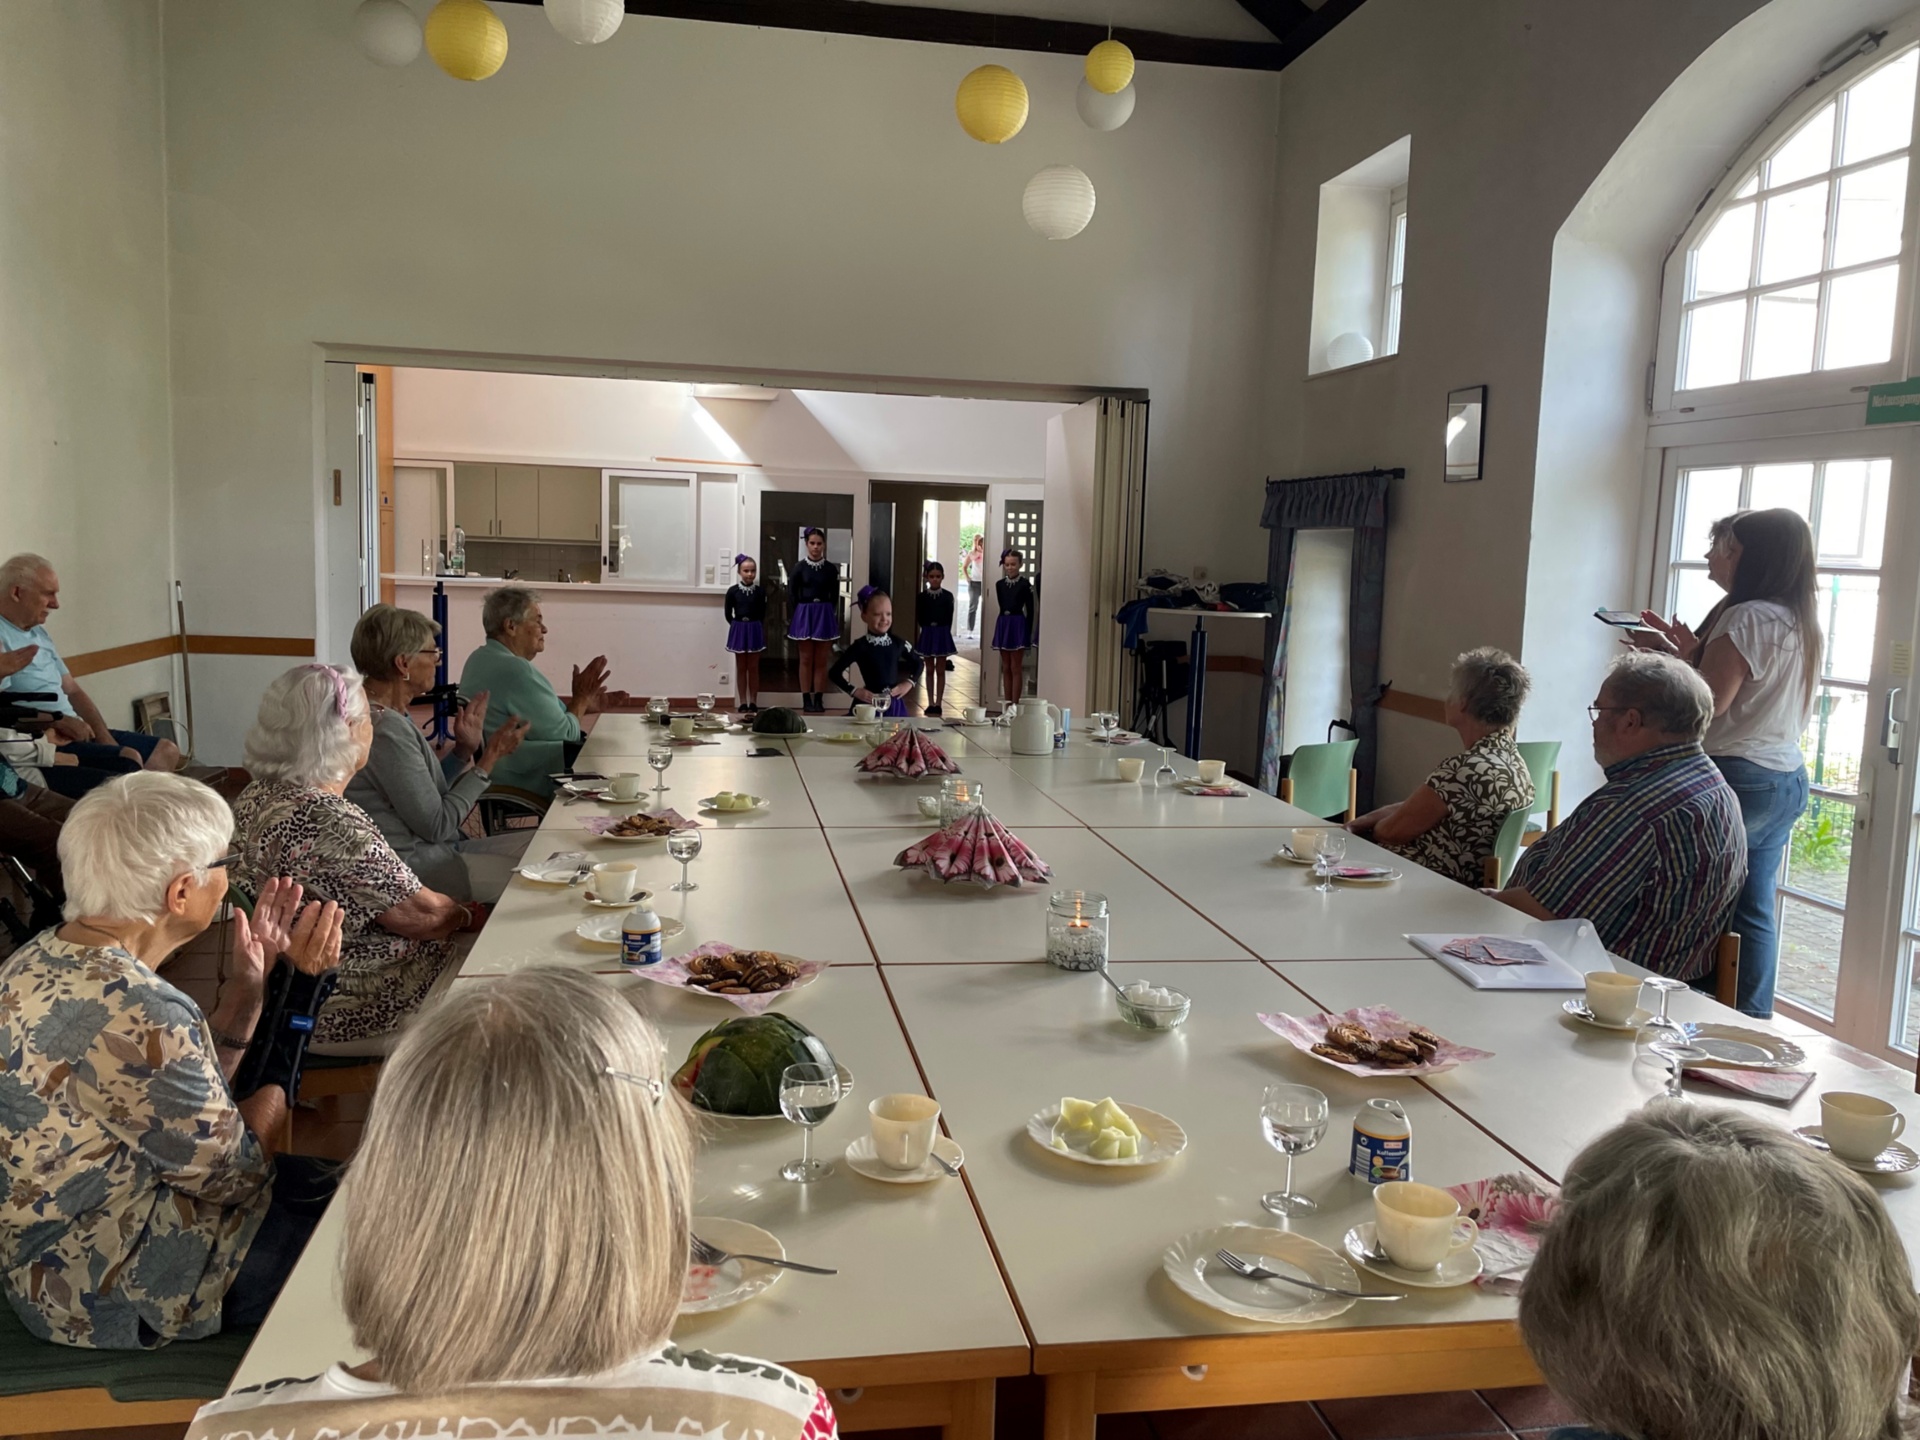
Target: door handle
1891,725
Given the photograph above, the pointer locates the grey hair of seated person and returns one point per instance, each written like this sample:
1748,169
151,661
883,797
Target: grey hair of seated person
304,731
1711,1277
1669,693
126,842
508,605
1491,686
23,569
387,633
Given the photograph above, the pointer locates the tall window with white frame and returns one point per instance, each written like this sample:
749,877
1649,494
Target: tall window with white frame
1396,271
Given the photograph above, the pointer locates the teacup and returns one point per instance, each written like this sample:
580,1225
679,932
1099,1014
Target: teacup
976,714
864,713
625,786
1305,842
681,727
1612,997
1419,1225
1212,772
1131,768
615,881
903,1129
1858,1127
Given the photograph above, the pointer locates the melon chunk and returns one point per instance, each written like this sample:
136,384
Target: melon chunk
1112,1144
1109,1116
1077,1114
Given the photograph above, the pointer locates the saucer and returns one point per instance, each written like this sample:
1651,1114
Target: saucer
1285,852
1578,1010
759,807
638,897
860,1158
1896,1159
605,929
1459,1268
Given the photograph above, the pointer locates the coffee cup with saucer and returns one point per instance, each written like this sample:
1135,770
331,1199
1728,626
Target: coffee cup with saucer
1362,1246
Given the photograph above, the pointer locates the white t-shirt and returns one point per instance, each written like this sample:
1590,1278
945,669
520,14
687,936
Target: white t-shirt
1767,718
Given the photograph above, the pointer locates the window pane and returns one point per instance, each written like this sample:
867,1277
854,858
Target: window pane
1694,595
1808,151
1849,614
1872,203
1793,234
1860,318
1790,486
1706,496
1397,271
1853,511
1723,262
1835,743
1880,111
1783,329
1750,188
654,530
1821,849
1715,336
1809,971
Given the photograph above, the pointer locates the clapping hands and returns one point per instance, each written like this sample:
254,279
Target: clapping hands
309,937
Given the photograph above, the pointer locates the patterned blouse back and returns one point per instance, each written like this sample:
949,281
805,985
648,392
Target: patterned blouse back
1482,786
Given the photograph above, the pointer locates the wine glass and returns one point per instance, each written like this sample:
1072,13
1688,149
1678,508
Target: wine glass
683,845
1678,1050
703,702
1666,985
1166,774
808,1094
657,708
659,756
1108,723
1329,849
1293,1118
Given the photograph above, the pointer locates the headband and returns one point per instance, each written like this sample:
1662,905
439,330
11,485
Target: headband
339,686
811,531
869,592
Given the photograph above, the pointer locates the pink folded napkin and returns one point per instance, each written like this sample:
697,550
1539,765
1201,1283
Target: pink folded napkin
1224,792
1513,1212
1777,1087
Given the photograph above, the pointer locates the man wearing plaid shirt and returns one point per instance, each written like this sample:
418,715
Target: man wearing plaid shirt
1655,858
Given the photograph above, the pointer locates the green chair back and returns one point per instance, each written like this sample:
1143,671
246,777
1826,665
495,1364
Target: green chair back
1319,777
1506,845
1542,757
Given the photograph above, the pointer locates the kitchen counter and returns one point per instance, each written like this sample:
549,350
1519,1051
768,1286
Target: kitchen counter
491,582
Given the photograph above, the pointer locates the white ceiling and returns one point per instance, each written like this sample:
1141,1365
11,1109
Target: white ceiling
1209,19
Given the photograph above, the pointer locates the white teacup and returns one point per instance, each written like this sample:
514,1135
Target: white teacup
976,714
903,1129
681,727
1305,842
1131,768
1212,772
1419,1225
1858,1127
625,786
1611,996
866,712
616,880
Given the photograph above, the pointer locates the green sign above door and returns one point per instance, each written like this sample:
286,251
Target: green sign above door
1897,403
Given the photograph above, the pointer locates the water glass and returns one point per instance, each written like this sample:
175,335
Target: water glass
683,845
808,1095
1166,775
703,702
1293,1118
659,756
657,708
1329,849
1677,1050
1108,723
1665,985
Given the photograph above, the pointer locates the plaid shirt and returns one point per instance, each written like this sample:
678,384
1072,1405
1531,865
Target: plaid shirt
1654,858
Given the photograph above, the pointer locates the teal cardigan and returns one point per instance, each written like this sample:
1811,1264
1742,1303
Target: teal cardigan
515,687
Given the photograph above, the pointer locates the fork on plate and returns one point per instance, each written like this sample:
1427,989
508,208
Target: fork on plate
705,1253
1254,1271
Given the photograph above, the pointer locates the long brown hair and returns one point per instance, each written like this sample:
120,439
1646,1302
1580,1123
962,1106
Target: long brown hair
1776,563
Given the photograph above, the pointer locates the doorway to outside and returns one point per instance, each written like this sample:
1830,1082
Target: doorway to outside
910,525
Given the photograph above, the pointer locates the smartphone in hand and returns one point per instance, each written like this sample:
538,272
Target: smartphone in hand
1623,619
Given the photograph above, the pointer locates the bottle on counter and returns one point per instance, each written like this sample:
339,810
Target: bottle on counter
1382,1142
640,938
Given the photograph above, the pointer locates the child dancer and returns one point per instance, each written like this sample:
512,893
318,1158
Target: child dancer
933,627
746,631
815,626
889,669
1013,631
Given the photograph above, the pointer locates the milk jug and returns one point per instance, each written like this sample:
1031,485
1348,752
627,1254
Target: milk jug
1034,721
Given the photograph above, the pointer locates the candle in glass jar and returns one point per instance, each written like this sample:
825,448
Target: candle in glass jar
1077,930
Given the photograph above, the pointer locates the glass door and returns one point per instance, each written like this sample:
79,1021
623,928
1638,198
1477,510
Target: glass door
1845,952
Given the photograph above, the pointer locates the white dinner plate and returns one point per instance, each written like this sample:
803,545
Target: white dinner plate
1896,1159
1739,1047
1577,1008
1191,1263
721,1287
1161,1137
542,872
1459,1268
861,1158
636,898
605,929
759,807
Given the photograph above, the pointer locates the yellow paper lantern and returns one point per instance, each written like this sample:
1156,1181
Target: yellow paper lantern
466,39
1110,67
991,104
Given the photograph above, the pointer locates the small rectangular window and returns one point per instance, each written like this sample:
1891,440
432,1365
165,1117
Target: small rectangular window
1396,272
652,526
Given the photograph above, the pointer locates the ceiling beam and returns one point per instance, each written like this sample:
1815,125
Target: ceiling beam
1281,17
1301,38
994,32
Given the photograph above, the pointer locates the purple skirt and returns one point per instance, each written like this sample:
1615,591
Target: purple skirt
934,640
896,708
1010,633
814,620
746,637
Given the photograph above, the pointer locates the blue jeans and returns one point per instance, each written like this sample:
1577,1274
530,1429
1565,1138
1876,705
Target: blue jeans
302,1188
1770,801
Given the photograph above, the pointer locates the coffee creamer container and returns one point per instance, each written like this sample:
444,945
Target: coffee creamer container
640,938
1382,1142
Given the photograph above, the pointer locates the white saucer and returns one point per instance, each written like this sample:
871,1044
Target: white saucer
860,1157
1459,1268
637,897
1285,852
1578,1010
759,807
1896,1159
605,929
722,1287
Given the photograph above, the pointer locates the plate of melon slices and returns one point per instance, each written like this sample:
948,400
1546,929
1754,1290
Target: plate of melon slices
1106,1132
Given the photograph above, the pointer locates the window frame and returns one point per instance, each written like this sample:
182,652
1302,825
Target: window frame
1393,294
1746,397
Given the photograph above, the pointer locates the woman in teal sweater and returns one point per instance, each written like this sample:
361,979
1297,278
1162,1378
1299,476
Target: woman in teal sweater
503,669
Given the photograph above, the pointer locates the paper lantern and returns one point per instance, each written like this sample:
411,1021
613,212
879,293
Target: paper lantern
586,22
1103,111
1110,67
1352,348
991,104
386,32
466,39
1058,202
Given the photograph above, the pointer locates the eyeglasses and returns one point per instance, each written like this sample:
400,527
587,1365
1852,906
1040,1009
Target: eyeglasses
227,861
648,1082
1594,712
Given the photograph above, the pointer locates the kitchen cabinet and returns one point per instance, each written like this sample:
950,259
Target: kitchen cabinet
528,502
517,501
473,498
569,503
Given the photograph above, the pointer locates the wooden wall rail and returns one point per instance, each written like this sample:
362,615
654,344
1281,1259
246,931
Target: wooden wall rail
92,662
1421,707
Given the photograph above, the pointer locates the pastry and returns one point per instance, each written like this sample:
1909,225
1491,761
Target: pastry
1336,1054
741,972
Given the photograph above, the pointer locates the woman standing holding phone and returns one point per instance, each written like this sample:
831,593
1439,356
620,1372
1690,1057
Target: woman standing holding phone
1759,650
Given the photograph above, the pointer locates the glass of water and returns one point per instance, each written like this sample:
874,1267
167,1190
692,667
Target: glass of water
808,1094
659,756
1677,1050
1108,723
1166,775
1329,849
684,845
1293,1118
657,708
703,702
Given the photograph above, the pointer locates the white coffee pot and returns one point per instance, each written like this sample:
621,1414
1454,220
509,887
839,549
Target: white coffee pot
1034,723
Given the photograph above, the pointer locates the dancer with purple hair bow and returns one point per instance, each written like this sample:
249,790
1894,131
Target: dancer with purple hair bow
746,631
889,667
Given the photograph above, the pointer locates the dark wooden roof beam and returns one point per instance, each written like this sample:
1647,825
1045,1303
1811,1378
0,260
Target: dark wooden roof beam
1281,17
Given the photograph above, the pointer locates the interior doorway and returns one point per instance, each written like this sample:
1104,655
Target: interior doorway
928,522
785,516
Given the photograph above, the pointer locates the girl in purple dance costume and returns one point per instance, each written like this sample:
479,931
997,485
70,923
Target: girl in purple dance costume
815,627
889,668
1013,631
933,632
746,631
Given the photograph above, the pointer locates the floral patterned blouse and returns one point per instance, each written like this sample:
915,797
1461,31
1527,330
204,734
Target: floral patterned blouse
1482,786
331,846
133,1187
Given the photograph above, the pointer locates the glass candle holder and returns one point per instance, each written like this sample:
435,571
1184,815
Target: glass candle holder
960,797
1077,930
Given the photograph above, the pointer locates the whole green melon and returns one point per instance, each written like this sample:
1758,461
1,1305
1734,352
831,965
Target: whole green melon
735,1068
778,720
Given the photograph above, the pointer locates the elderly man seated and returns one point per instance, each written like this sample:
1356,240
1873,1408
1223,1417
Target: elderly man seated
1655,858
29,593
503,670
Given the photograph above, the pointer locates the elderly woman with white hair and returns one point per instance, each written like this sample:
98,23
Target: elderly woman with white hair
1710,1277
503,669
312,734
140,1204
516,1236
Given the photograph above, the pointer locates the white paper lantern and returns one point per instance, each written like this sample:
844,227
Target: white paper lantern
1058,202
1104,112
586,22
1349,349
386,32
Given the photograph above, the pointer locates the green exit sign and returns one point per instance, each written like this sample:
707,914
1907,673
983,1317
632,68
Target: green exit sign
1897,403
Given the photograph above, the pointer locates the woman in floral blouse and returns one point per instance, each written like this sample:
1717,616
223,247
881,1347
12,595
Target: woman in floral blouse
1451,822
313,732
139,1204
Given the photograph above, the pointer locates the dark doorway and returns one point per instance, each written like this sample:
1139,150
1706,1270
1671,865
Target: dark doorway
784,517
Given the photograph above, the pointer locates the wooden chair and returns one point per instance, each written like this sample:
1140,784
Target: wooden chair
1320,778
1726,970
1543,762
